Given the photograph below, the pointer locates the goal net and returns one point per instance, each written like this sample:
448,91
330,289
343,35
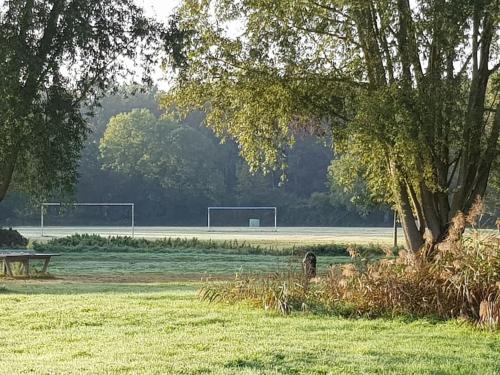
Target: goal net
240,218
62,219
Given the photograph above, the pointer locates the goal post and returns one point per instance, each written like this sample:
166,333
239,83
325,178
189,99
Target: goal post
234,208
131,205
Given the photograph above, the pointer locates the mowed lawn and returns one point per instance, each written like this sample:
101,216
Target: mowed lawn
75,325
192,264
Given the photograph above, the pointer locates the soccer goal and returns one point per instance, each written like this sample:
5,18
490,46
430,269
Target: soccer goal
45,206
242,217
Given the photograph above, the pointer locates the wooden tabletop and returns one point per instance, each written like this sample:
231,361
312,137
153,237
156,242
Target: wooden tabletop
27,255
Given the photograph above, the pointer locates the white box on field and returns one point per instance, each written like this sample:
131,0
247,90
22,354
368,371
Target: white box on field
254,223
239,220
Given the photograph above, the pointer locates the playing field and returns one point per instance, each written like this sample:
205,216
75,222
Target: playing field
284,236
137,312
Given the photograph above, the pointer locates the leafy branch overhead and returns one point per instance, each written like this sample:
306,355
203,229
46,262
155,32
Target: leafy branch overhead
408,90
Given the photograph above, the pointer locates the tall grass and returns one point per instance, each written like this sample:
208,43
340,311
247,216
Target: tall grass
460,279
462,273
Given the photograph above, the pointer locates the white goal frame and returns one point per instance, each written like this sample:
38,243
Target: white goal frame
232,208
131,205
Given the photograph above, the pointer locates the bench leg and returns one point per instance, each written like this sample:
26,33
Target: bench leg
8,270
27,267
45,265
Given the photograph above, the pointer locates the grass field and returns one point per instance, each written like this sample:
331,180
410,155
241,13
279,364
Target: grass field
74,328
181,264
137,312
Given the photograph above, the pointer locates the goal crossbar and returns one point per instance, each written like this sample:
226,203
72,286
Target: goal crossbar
52,204
274,209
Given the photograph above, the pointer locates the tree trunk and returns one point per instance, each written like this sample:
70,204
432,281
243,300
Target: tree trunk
413,237
432,222
7,167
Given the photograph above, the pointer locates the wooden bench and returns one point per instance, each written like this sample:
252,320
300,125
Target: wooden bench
24,259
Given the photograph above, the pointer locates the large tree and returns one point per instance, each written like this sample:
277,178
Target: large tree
176,157
405,87
55,56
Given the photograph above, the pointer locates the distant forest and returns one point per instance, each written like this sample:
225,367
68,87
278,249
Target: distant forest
174,169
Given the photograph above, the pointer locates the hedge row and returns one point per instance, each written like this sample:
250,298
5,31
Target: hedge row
90,242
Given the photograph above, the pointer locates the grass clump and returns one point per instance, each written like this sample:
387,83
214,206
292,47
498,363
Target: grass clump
274,292
283,293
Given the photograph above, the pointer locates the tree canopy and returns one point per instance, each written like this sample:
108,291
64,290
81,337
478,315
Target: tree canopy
56,56
409,91
305,199
172,155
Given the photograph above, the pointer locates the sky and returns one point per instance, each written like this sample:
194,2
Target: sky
160,9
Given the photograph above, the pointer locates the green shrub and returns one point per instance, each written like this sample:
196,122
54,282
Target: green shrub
82,242
10,238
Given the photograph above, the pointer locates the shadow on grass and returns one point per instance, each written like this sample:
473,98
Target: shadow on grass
353,316
273,362
379,361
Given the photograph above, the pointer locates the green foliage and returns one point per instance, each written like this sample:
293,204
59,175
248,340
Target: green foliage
164,203
12,239
123,99
79,242
88,242
163,151
398,85
54,59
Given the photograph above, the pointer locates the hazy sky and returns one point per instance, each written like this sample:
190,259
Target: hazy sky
161,9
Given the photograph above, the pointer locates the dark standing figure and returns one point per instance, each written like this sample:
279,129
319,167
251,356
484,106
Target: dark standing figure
309,265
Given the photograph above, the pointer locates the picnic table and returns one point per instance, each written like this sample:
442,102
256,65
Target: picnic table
24,259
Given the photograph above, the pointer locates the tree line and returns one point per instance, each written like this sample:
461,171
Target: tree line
173,169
